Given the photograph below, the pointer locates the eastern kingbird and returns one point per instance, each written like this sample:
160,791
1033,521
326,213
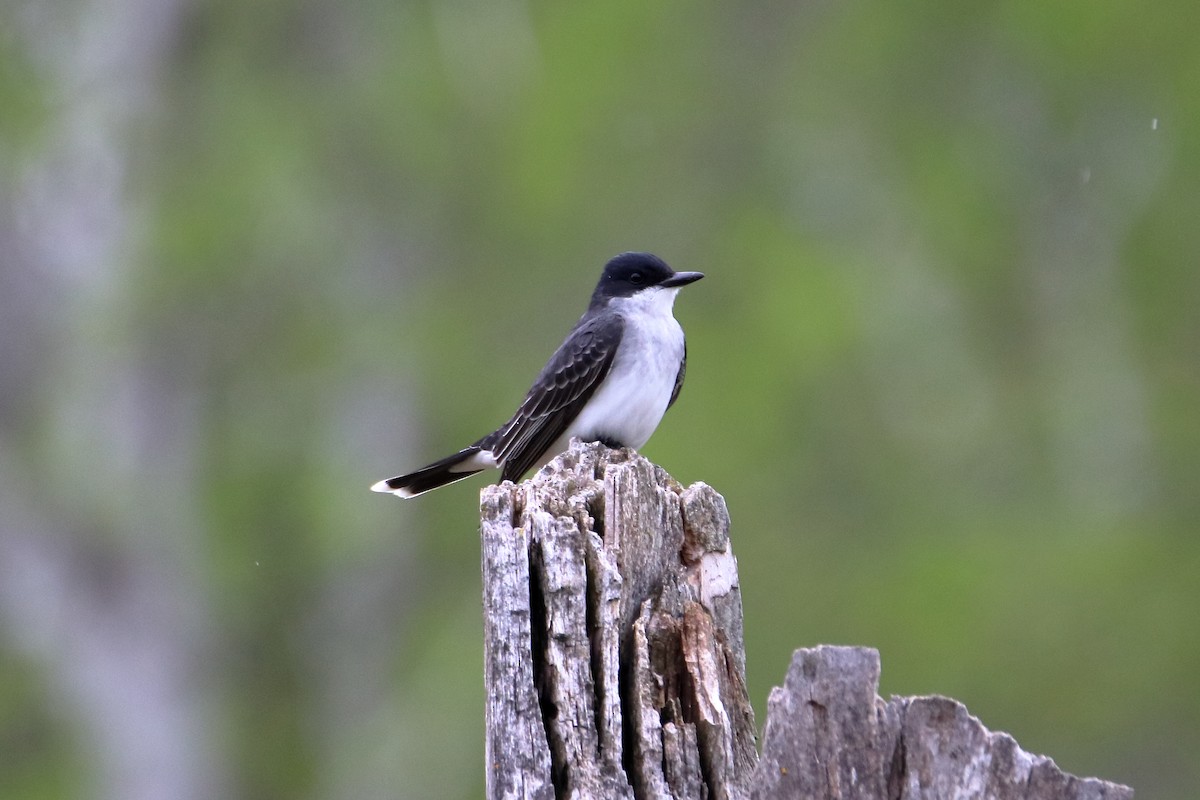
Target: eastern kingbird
612,379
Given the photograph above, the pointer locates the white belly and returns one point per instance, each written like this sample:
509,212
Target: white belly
632,400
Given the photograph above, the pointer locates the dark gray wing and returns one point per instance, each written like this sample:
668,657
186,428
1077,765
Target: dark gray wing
561,390
679,377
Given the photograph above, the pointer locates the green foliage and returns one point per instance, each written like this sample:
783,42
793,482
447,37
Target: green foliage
40,758
943,366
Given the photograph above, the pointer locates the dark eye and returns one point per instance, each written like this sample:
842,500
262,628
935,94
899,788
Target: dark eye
636,279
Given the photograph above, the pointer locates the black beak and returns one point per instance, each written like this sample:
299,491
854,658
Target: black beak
682,279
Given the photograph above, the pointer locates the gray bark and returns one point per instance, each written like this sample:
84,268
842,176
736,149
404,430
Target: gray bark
828,734
614,665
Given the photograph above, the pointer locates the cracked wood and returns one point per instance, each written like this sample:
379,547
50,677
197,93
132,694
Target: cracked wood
614,665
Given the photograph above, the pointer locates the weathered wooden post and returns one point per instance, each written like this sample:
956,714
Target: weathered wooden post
614,665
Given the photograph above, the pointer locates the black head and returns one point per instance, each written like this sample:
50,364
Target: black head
630,273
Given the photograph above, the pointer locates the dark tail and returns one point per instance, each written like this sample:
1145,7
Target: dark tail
462,464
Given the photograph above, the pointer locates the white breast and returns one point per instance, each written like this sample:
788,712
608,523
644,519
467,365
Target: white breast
634,397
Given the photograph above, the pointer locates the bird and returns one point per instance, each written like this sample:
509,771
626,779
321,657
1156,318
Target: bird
610,381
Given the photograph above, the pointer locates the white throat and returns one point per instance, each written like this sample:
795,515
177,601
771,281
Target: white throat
656,302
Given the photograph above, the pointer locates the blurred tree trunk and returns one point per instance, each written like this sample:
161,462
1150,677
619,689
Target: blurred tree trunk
98,595
614,664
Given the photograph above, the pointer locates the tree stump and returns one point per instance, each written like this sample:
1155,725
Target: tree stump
615,668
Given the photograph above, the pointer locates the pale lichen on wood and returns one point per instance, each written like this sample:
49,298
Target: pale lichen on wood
614,665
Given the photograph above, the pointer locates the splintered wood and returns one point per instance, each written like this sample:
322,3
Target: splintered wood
614,665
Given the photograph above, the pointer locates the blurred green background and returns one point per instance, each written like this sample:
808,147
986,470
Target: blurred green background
945,367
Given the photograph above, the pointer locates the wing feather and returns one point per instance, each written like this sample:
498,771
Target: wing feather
557,396
679,377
